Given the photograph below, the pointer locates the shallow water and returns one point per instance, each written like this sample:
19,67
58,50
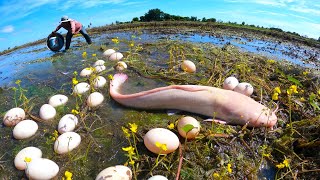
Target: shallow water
44,73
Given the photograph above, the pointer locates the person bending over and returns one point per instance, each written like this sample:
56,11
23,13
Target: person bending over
73,27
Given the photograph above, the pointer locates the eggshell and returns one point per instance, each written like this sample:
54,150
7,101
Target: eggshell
81,88
188,120
99,82
13,116
244,88
58,100
47,112
95,99
100,68
117,172
41,168
30,152
25,129
108,52
188,66
230,83
86,72
67,123
163,136
121,66
99,63
66,142
116,56
158,177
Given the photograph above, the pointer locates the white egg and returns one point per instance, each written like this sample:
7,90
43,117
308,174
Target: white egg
81,88
99,82
41,168
162,136
99,63
95,99
29,152
67,123
188,66
158,177
244,88
86,72
185,121
117,172
100,68
25,129
117,56
13,116
58,100
66,142
47,112
121,66
230,83
108,52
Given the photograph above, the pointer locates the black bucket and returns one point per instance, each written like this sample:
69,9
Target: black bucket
55,41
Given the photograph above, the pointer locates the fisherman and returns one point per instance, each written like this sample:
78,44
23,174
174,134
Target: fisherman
73,27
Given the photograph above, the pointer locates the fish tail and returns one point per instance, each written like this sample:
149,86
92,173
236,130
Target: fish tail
118,80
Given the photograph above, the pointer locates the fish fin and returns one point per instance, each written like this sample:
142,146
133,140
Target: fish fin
171,112
216,121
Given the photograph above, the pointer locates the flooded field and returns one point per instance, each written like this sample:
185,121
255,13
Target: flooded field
153,59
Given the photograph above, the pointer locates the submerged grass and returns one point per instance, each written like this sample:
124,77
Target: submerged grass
289,151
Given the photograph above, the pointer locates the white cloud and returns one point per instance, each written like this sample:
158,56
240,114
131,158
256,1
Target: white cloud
7,29
87,3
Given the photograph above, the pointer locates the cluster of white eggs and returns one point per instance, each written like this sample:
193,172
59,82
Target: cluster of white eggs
30,158
232,83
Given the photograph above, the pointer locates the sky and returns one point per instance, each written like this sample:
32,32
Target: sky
24,21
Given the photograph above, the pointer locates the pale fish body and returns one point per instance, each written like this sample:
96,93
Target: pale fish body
227,105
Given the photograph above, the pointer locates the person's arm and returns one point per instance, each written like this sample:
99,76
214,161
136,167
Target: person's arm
57,29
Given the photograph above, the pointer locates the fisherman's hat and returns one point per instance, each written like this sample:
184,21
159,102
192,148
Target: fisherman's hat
65,19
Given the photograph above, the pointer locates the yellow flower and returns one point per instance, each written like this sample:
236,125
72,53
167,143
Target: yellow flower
271,61
27,159
319,91
75,73
292,89
275,96
110,77
286,162
229,168
115,40
131,162
302,99
280,166
94,55
68,175
129,149
216,175
75,81
131,44
305,73
277,90
75,112
171,126
125,131
133,127
84,54
18,81
163,147
266,155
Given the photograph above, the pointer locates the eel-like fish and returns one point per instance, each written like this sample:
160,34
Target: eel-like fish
229,106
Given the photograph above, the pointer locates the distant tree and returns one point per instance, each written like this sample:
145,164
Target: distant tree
135,19
142,18
319,39
193,18
211,20
154,15
243,23
204,19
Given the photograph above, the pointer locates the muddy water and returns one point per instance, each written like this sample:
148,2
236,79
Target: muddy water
44,73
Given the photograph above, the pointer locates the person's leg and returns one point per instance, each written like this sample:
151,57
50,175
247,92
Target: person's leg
68,40
85,35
